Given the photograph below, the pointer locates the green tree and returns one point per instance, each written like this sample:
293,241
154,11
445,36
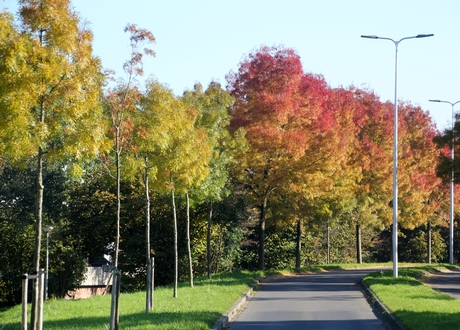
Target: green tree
212,108
181,161
153,133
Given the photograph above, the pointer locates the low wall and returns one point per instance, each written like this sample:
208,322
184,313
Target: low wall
96,282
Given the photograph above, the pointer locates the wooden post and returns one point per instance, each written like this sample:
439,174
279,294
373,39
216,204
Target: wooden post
152,284
428,236
25,281
148,298
117,304
113,300
359,254
41,282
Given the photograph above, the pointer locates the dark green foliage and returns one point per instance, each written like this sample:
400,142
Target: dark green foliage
16,246
280,248
91,207
17,232
413,245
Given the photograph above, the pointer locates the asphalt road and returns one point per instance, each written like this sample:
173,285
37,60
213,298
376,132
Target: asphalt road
447,282
331,300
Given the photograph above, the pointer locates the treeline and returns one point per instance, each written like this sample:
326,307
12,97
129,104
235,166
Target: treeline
275,170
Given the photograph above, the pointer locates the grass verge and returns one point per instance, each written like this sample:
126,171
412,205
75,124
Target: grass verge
194,308
414,304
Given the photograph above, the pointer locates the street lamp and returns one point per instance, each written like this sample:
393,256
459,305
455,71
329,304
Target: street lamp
451,226
47,229
395,149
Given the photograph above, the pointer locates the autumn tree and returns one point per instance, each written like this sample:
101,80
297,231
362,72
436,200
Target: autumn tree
154,132
283,112
181,153
212,107
419,157
121,103
372,155
322,179
52,95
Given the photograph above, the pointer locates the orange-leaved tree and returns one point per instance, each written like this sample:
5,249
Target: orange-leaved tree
121,103
289,130
417,167
372,154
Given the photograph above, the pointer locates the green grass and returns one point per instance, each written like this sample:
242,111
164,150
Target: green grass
194,308
414,304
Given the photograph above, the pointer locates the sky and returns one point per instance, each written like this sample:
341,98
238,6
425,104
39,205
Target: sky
203,40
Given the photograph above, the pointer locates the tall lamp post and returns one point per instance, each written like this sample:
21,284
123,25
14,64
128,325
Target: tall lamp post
395,149
47,229
451,225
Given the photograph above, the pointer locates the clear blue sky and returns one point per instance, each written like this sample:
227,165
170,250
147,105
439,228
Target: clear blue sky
202,40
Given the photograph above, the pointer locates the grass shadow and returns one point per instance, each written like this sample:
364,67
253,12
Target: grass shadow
162,320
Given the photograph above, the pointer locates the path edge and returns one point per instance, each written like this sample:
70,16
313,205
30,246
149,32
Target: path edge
237,307
380,308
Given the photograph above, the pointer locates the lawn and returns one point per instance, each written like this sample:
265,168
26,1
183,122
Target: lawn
414,304
194,308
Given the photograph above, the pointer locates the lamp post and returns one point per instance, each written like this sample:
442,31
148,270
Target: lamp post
451,225
395,148
47,229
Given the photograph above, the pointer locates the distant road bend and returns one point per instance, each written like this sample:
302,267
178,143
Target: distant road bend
331,300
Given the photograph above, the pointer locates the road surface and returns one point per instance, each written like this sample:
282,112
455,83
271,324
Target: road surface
330,300
447,282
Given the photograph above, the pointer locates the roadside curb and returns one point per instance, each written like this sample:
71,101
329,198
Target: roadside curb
236,308
380,308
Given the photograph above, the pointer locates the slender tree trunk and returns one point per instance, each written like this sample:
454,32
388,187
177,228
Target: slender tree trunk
114,302
263,210
147,212
428,237
176,253
359,256
208,241
298,249
38,237
189,249
149,287
39,215
118,178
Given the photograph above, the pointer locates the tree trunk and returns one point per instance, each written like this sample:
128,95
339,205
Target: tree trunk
39,215
299,244
189,249
263,210
118,178
359,256
176,253
38,236
208,241
149,287
428,237
147,212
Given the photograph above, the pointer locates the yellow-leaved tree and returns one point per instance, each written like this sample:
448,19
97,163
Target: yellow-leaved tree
50,108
